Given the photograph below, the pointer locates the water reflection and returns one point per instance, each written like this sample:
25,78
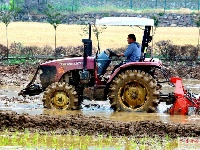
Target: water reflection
130,116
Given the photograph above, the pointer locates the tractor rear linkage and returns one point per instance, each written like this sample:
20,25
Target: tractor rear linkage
184,102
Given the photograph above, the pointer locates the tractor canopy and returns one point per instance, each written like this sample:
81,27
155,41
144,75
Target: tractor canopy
132,21
122,21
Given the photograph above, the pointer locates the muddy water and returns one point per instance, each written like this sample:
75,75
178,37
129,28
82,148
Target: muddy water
9,100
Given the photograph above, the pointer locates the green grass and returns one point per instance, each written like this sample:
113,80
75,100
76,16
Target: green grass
53,140
20,61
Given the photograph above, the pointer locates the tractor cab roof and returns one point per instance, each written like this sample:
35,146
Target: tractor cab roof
128,21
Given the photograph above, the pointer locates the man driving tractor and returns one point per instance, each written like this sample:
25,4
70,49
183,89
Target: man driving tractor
132,53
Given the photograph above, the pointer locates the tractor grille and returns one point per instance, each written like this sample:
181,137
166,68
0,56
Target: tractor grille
47,76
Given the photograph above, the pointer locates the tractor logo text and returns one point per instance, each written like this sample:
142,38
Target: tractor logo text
71,63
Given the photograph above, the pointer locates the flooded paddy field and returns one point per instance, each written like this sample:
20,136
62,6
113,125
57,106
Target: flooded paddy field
33,105
95,119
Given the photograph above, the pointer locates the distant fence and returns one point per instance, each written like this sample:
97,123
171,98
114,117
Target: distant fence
135,4
77,5
132,4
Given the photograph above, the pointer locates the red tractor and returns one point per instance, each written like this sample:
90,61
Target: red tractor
132,87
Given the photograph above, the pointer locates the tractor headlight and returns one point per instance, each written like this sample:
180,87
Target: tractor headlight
40,72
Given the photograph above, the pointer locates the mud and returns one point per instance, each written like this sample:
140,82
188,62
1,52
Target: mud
83,125
186,70
16,75
32,116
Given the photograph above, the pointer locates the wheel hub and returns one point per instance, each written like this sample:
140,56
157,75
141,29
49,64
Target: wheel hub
60,100
134,95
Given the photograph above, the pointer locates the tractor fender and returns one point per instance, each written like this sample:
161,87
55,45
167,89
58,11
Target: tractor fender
133,65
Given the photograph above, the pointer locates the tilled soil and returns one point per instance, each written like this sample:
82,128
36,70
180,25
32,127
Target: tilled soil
184,70
83,125
16,75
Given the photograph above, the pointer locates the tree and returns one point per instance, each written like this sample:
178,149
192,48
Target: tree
53,17
97,31
75,5
12,4
6,19
156,22
198,25
1,2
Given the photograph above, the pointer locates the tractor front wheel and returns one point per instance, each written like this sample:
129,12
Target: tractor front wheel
60,96
134,90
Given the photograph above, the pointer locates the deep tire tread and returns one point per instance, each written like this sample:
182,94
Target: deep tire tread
152,99
58,86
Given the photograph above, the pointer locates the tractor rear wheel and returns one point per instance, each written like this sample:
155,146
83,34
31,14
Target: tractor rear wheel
134,90
60,96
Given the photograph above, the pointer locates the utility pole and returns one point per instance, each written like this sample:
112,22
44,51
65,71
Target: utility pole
156,3
13,4
165,4
185,4
131,4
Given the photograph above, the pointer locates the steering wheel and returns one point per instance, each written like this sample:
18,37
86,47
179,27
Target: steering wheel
112,53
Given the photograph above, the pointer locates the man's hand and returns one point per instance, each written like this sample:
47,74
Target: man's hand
119,55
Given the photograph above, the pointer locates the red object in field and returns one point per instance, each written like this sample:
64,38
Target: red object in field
183,99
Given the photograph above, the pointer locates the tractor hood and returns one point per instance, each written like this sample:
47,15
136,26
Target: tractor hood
60,66
70,63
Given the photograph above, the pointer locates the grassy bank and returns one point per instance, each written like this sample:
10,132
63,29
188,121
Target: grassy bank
41,34
51,140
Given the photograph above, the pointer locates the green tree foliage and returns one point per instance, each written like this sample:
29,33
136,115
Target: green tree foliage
198,22
16,5
4,6
6,18
156,23
75,5
12,4
54,17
